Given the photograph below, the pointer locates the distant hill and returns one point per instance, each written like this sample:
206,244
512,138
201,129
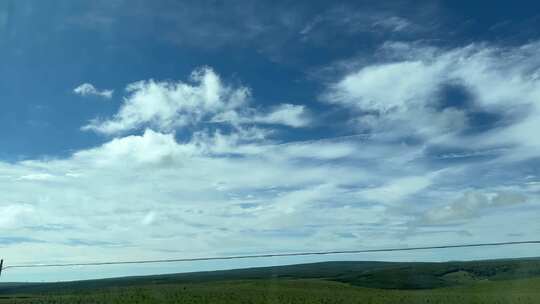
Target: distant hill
386,275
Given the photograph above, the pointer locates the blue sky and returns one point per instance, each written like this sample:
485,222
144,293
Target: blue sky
158,129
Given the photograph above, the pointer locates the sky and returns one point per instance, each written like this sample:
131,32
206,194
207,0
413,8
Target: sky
138,129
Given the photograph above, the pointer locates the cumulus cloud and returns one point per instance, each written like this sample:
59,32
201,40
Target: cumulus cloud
150,148
87,89
166,105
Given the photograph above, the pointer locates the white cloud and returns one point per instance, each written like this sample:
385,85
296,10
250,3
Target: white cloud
168,105
389,86
87,89
36,177
154,192
398,189
485,124
399,98
317,150
15,215
285,114
189,191
150,148
403,97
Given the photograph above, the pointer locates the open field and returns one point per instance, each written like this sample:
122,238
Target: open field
295,291
509,281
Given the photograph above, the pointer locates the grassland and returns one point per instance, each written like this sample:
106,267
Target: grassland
282,291
509,281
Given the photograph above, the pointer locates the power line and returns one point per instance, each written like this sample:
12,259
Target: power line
271,255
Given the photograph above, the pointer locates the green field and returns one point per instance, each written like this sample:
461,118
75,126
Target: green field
507,281
295,291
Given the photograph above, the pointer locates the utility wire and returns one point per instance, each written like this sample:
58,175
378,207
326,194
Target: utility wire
272,255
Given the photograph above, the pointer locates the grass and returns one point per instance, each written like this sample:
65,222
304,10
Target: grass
503,281
282,291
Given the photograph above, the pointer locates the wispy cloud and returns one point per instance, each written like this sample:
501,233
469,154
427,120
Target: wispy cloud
18,240
469,205
405,96
393,23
